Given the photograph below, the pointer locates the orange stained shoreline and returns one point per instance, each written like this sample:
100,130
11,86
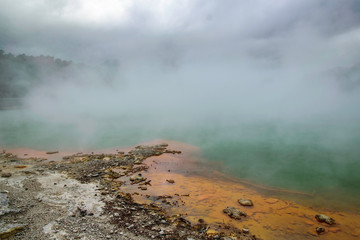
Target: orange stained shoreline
202,193
211,191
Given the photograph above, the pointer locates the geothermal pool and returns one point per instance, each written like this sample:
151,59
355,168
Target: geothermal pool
320,158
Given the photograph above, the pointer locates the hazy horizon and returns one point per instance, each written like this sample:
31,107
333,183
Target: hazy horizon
275,84
249,58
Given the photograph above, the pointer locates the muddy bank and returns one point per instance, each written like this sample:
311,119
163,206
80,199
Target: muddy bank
83,196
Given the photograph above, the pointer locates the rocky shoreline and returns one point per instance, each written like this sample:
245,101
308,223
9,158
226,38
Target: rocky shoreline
79,197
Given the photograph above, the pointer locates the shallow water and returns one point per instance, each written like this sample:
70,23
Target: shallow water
318,157
199,191
202,194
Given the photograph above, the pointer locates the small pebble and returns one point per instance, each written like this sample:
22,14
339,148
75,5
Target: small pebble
320,230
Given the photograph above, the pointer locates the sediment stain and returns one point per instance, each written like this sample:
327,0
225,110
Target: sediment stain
202,193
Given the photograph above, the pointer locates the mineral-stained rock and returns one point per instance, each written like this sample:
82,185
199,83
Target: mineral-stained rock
324,218
320,230
8,230
6,175
182,222
114,175
52,152
234,213
245,202
137,178
20,166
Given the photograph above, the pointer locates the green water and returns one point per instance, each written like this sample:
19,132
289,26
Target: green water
321,157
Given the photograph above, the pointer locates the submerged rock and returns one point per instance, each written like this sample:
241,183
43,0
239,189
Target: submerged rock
325,219
245,202
234,213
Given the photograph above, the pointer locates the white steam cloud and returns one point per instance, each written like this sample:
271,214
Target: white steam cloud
189,62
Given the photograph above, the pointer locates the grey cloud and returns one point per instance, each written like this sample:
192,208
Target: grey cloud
237,43
41,29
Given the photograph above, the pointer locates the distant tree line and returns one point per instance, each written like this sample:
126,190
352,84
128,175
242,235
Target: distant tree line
20,73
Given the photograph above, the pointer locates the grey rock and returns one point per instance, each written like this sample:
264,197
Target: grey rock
8,230
137,178
320,230
4,201
245,202
4,205
325,219
234,213
6,175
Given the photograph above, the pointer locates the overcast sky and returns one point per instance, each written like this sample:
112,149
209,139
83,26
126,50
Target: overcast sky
274,31
258,57
190,61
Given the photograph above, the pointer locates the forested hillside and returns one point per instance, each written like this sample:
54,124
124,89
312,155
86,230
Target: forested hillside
20,73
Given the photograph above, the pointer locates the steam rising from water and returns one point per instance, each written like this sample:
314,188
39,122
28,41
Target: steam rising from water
273,91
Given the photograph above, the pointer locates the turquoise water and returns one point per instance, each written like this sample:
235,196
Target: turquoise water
321,157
